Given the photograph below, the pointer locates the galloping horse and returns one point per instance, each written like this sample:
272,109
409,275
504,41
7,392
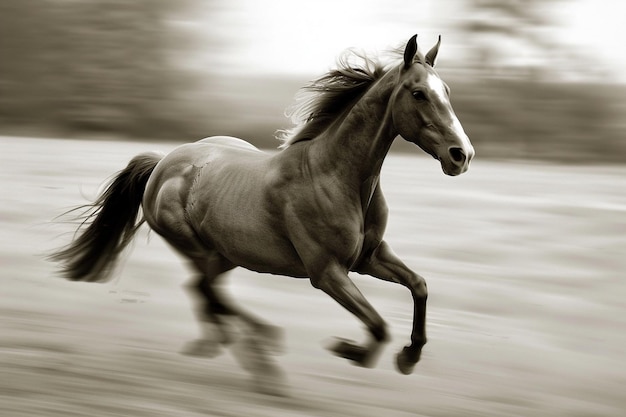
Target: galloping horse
313,210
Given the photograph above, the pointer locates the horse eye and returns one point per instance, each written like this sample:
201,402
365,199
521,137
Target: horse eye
419,95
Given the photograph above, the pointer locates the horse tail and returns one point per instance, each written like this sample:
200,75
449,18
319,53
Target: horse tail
109,223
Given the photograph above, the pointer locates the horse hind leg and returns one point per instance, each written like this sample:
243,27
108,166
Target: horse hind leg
212,315
214,306
253,343
217,315
164,211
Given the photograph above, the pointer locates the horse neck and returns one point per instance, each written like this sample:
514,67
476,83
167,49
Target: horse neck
355,147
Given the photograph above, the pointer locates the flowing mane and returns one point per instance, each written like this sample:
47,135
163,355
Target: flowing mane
319,103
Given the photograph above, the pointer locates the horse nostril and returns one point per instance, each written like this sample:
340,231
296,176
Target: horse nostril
457,155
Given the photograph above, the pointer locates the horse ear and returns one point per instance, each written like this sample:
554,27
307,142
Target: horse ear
431,56
409,51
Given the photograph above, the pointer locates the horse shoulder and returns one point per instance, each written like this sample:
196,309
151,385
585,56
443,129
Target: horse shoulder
317,215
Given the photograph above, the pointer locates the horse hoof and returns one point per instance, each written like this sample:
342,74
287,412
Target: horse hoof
365,356
348,349
254,358
202,348
403,366
406,360
267,377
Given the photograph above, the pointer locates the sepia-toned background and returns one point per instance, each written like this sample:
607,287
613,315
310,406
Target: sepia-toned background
523,254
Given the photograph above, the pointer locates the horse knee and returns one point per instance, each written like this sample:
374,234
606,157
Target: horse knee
418,286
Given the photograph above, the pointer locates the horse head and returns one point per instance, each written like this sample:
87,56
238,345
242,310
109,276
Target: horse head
422,112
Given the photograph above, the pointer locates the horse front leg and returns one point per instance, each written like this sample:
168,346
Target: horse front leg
385,265
334,281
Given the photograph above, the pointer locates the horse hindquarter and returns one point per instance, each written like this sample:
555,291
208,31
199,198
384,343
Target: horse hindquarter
217,195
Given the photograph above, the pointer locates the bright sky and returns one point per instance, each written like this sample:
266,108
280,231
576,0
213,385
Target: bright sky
307,36
598,25
287,36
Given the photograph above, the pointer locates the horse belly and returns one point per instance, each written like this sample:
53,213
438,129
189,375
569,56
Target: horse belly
258,247
274,256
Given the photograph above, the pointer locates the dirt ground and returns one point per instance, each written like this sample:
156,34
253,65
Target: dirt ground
527,317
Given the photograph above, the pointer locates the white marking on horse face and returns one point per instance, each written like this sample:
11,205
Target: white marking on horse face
435,84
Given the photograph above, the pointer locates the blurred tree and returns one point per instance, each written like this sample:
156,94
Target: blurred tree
511,35
100,65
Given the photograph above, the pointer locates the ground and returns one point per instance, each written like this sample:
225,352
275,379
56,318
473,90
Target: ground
523,260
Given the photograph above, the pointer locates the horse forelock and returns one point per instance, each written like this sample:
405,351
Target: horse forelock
323,100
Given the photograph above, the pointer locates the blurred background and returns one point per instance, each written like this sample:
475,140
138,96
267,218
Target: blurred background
524,254
530,79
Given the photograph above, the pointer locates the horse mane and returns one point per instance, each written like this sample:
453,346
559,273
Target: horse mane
319,103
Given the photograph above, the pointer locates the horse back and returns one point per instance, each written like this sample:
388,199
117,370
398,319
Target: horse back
185,160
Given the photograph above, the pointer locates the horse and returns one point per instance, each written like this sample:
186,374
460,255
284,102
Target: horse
314,209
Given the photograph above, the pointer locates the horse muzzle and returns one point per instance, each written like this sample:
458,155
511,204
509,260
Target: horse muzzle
456,159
